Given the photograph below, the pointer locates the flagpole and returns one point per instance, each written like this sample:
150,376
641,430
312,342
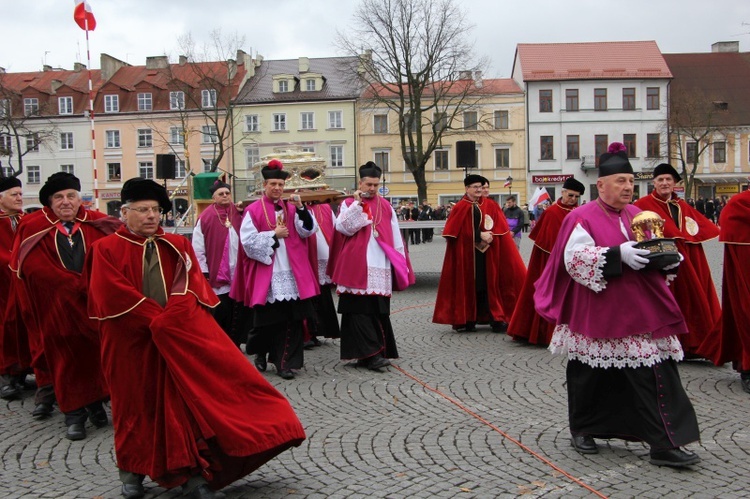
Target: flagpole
91,115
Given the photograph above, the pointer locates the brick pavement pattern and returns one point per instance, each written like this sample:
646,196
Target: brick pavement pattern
393,435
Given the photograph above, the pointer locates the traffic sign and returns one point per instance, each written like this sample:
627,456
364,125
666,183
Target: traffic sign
384,191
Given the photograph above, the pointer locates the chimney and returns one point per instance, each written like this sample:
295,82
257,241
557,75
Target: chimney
725,47
183,60
2,70
304,64
242,57
78,67
231,69
466,75
478,79
46,67
157,62
110,65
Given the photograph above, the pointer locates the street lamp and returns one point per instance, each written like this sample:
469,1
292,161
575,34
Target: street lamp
509,183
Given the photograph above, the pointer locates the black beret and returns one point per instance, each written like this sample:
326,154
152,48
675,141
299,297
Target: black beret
274,170
140,189
9,183
615,160
474,179
57,182
574,185
370,169
664,169
218,185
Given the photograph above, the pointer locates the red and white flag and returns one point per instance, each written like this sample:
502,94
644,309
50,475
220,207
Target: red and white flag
540,195
508,183
83,15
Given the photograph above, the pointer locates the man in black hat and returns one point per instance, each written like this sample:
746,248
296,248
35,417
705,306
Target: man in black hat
274,274
693,287
216,241
48,255
526,323
187,407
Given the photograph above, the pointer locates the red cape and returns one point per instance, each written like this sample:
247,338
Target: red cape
57,298
456,297
14,343
693,288
526,323
733,344
184,398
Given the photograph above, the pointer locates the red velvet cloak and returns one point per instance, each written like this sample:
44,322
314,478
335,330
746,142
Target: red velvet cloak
526,323
693,288
14,343
456,296
734,341
184,398
57,297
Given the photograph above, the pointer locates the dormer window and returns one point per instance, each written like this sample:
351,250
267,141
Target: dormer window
310,85
283,86
208,98
283,83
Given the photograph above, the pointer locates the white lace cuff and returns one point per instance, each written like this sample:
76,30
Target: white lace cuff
352,219
586,267
300,225
259,246
670,278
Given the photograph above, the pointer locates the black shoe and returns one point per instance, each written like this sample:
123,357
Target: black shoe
260,362
286,374
76,431
202,492
377,362
308,345
316,342
99,418
471,327
499,326
584,444
10,392
674,457
744,381
42,411
133,490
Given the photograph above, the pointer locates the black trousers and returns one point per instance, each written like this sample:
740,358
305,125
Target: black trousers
278,332
366,327
80,415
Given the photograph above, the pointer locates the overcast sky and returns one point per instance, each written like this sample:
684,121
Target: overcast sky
34,32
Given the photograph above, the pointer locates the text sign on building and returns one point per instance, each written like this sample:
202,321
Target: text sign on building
643,175
727,189
549,179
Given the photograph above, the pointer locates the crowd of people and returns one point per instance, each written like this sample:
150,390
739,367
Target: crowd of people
145,319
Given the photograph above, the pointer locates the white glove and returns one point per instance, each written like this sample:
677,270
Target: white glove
633,257
675,265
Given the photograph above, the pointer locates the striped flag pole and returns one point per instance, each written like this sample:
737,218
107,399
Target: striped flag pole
91,115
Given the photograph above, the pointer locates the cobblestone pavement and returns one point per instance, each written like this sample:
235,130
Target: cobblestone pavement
459,415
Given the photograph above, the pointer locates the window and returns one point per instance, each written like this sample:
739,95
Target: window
279,122
252,156
601,142
547,143
4,108
629,140
335,119
30,106
383,160
441,159
32,142
6,144
283,86
310,85
33,174
252,123
573,147
691,152
501,120
653,145
628,99
652,98
502,157
68,169
440,122
176,135
470,120
145,101
307,120
571,99
410,124
65,105
600,99
176,100
146,169
66,141
380,123
209,134
113,139
208,98
180,171
308,149
145,138
545,101
7,171
207,163
113,172
337,156
111,103
720,152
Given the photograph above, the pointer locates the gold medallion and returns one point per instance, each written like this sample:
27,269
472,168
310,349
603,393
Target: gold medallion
691,226
375,232
228,223
488,222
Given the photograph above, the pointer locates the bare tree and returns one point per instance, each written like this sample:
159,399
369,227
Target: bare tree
695,124
418,63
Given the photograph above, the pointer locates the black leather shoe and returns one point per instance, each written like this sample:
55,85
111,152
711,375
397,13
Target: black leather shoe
744,381
499,326
308,345
76,431
202,492
286,374
677,458
260,362
42,411
99,418
9,392
133,491
377,362
584,444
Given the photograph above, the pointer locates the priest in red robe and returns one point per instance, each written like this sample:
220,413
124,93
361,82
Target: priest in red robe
48,255
482,270
733,344
693,288
526,323
188,408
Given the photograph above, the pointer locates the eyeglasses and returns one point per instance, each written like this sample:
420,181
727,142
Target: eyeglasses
143,210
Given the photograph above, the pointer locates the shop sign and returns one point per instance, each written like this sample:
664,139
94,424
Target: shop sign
728,189
549,179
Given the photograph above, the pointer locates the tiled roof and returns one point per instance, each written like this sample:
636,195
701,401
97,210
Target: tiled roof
339,85
723,77
127,77
492,86
42,80
591,61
